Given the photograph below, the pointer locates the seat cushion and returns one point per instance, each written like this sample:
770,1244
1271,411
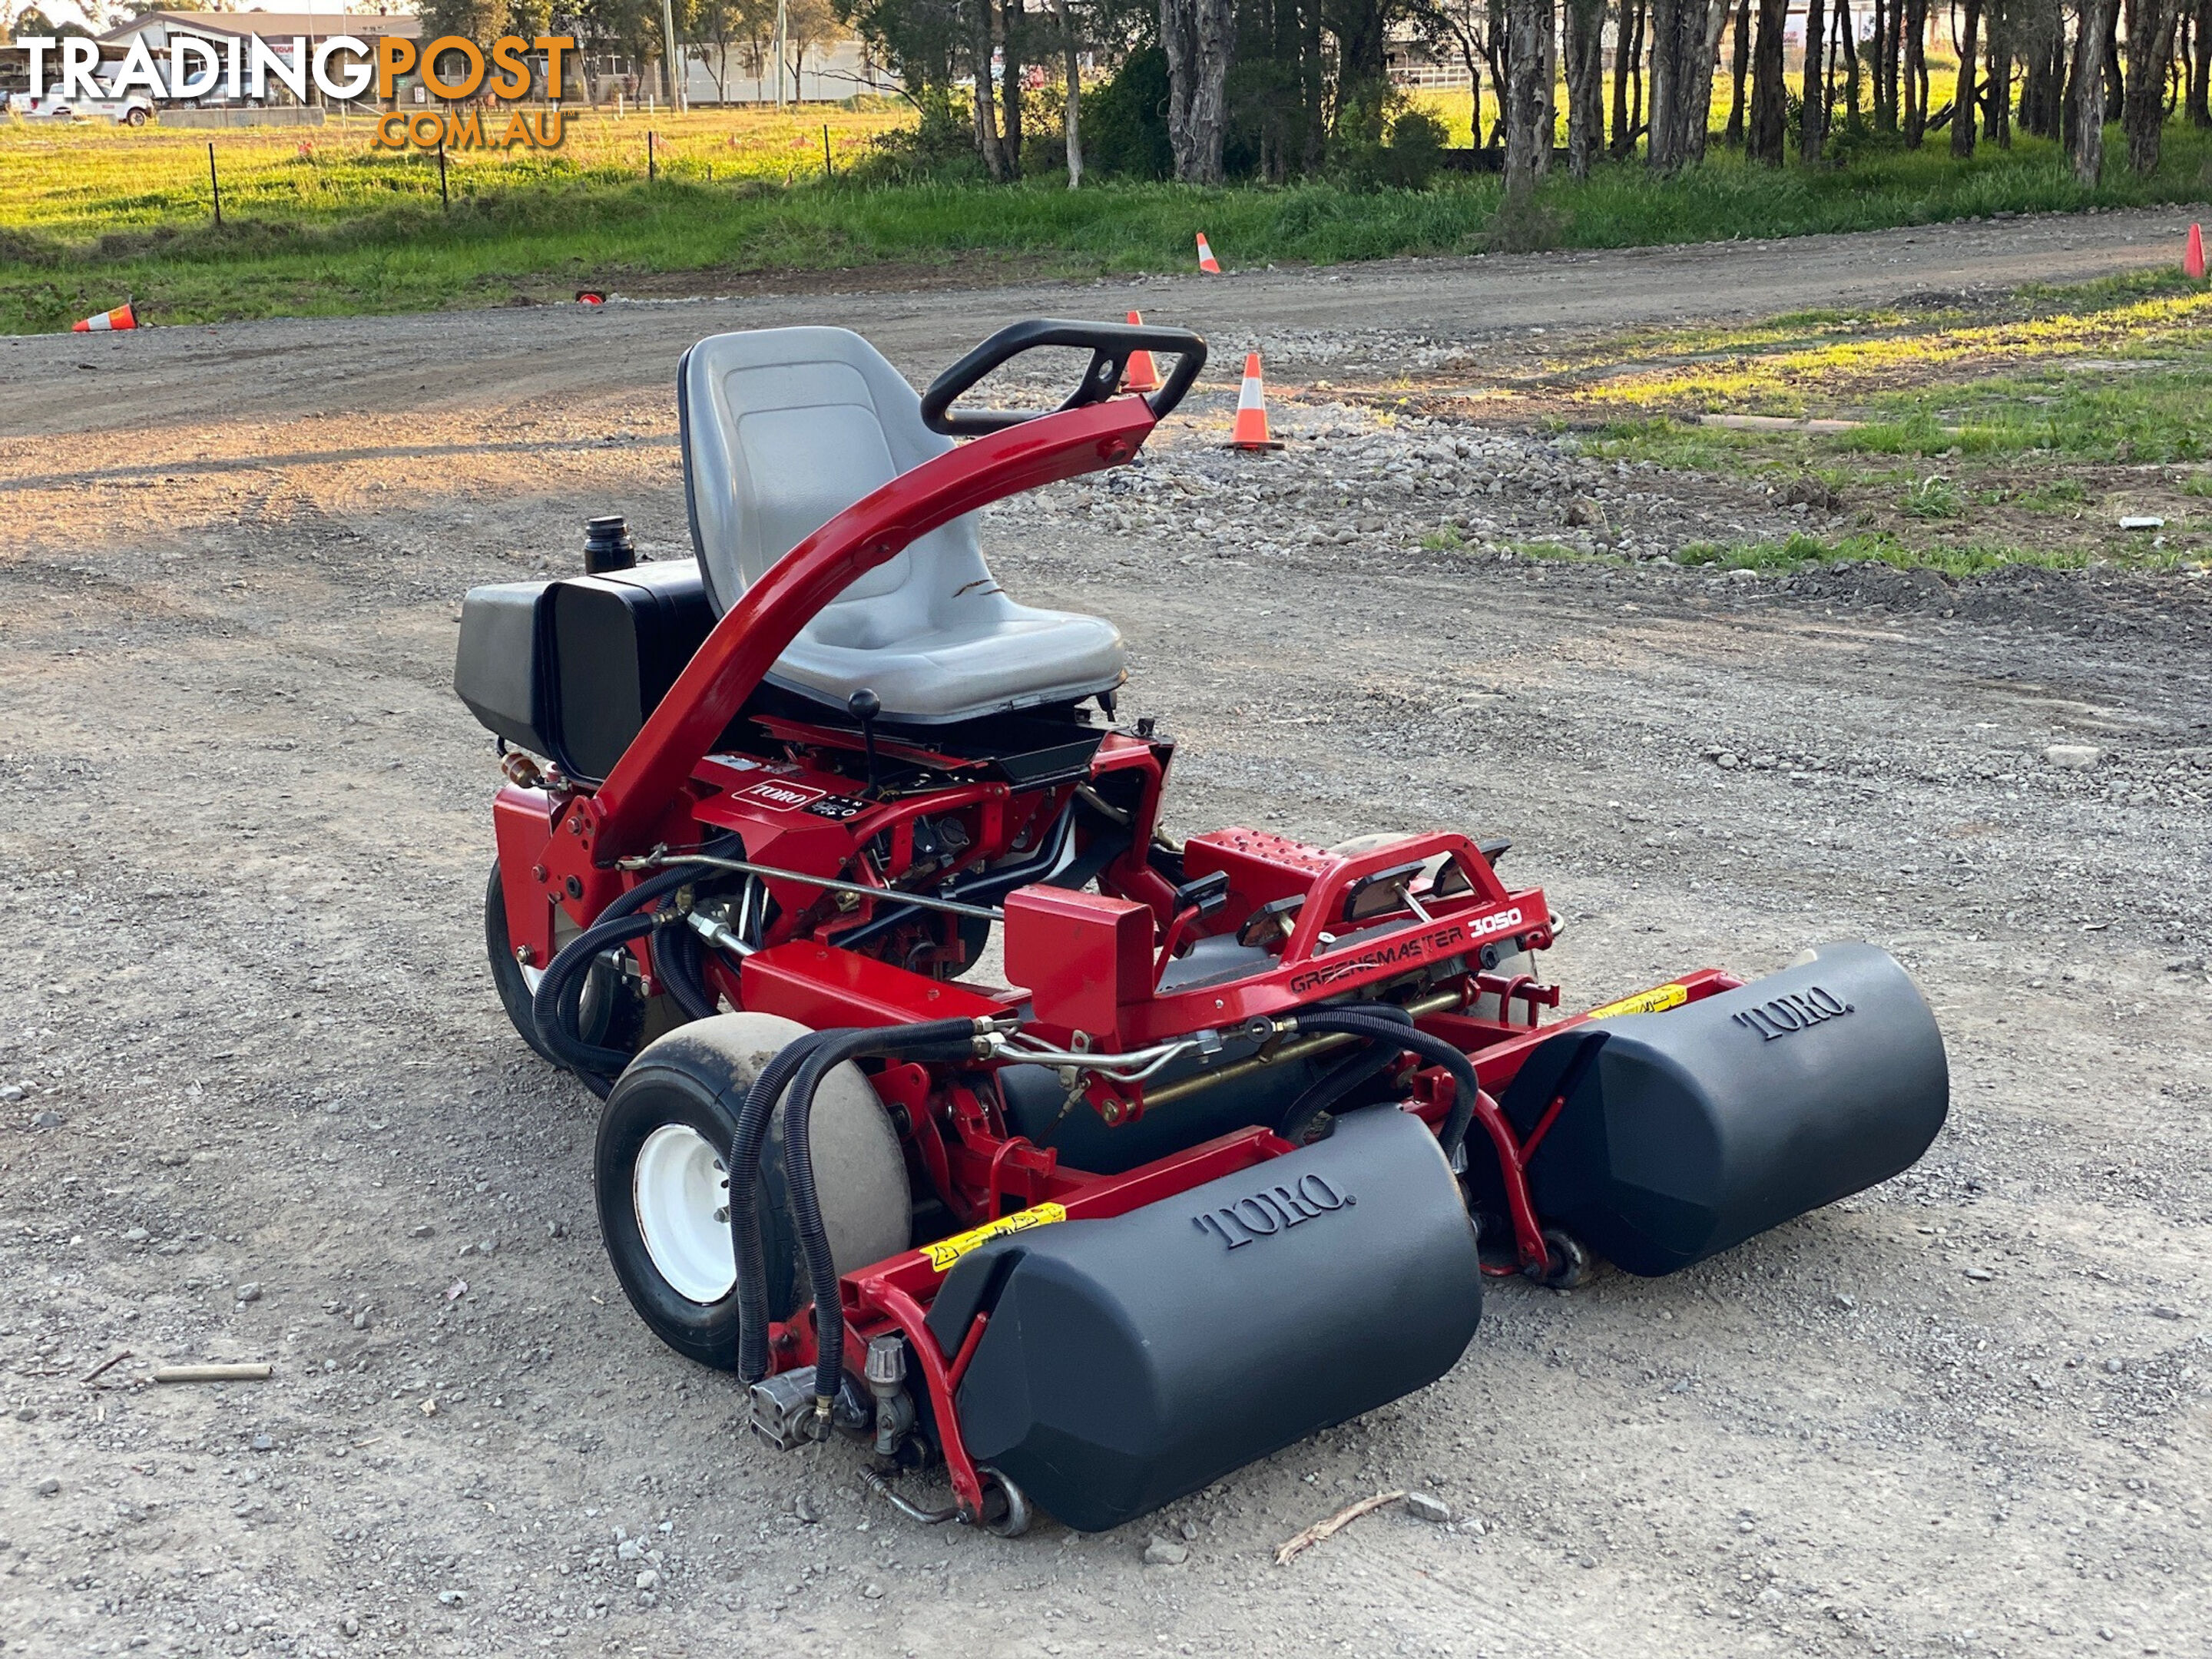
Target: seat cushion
783,429
1015,658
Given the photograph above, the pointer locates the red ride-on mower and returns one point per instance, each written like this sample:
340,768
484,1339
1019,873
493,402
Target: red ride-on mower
1203,1176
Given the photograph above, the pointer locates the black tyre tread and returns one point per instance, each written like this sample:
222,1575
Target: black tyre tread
506,972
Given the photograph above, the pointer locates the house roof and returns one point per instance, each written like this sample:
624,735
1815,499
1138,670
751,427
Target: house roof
273,25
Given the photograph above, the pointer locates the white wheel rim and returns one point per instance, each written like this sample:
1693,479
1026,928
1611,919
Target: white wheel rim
681,1193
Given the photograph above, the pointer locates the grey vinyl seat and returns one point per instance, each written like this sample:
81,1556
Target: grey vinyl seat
783,429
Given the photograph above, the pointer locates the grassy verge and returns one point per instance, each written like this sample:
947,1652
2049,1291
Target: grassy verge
342,229
2025,434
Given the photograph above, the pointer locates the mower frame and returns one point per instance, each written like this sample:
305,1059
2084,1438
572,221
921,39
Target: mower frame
831,855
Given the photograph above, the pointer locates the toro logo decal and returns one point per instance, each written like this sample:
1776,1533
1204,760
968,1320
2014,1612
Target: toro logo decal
1793,1011
784,797
1273,1209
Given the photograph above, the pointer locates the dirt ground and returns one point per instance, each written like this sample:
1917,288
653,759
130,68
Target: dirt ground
258,1100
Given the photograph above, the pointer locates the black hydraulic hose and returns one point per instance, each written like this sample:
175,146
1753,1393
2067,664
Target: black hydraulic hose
745,1247
1339,1080
556,1012
676,953
1366,1022
944,1039
554,1004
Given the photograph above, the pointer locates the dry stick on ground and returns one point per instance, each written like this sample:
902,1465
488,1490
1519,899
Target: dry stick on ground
252,1373
1335,1523
112,1360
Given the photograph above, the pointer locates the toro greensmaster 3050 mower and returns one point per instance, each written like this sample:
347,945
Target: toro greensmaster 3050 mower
1206,1175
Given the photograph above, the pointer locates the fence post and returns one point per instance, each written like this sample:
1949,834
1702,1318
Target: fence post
445,197
829,173
652,167
215,185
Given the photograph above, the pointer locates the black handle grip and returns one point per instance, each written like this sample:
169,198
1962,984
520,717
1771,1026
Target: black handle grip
1110,345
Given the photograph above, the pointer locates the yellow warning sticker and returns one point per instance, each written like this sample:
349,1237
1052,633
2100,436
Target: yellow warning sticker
1656,1000
946,1251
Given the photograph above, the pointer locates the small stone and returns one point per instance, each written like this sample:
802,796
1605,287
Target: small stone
2142,521
2113,1368
1163,1552
2073,756
453,1598
28,1414
249,1291
1727,761
1189,1531
1980,1275
556,1230
803,1507
1422,1506
47,1120
2164,1312
135,1235
423,1231
486,1246
648,1598
10,1092
874,1592
360,1320
649,1579
629,1549
47,1487
1846,1303
348,1626
263,1443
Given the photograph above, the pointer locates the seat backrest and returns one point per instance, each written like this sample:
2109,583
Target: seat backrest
783,429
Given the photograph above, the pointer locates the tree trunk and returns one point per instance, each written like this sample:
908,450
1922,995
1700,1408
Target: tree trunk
1963,124
1996,125
1814,133
1197,36
1585,52
985,103
2197,101
1011,30
1884,66
1738,74
2115,88
2086,97
1769,113
1527,22
1847,43
1548,82
1627,87
2151,25
1072,121
1914,42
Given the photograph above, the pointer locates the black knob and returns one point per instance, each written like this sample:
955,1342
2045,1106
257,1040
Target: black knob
607,545
863,705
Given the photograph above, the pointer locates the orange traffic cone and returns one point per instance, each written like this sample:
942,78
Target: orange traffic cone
1251,431
1206,262
2192,260
122,316
1139,374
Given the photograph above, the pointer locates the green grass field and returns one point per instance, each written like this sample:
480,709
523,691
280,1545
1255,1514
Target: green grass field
2021,435
90,214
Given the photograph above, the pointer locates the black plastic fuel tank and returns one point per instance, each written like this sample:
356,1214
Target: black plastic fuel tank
1687,1132
1130,1361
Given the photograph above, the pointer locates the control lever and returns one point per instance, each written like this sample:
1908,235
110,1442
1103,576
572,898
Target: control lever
863,706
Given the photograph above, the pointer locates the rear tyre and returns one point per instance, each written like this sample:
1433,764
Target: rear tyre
663,1181
506,975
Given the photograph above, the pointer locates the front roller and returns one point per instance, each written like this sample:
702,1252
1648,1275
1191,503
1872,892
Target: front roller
1663,1138
1126,1362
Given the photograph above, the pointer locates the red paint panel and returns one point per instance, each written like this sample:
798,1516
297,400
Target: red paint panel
820,986
1081,955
